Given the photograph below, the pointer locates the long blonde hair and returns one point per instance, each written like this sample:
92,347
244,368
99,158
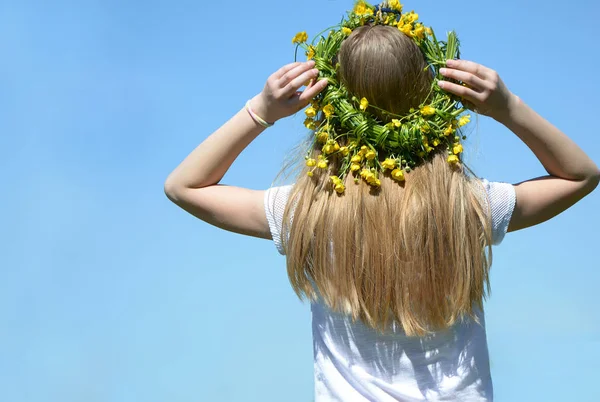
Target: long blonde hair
416,254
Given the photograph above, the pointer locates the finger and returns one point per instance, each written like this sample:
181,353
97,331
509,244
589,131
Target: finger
470,67
309,93
461,91
470,79
279,73
299,81
291,74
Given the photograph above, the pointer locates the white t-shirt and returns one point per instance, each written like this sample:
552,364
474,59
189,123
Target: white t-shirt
354,363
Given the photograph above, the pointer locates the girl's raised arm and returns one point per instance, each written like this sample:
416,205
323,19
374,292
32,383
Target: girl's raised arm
193,185
571,173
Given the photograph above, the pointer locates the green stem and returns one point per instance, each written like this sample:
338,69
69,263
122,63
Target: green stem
322,32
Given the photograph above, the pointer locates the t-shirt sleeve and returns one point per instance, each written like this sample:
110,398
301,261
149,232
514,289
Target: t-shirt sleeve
502,199
275,202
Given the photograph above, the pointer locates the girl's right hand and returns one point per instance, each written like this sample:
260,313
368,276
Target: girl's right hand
281,96
484,89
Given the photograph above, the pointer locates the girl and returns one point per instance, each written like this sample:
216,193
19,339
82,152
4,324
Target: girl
384,230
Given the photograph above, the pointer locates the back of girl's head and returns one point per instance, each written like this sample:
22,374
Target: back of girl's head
385,66
410,252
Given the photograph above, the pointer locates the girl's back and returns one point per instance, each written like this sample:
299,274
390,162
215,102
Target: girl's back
355,362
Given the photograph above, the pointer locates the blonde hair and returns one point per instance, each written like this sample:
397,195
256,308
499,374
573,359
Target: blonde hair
416,254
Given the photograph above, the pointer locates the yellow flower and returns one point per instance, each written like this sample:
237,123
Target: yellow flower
463,121
398,174
328,110
322,137
336,146
311,53
309,174
458,148
344,151
300,37
436,142
310,112
425,128
311,162
328,149
310,124
322,164
395,5
346,31
356,159
405,29
339,188
419,31
412,16
453,159
370,177
389,163
374,181
427,110
449,130
396,123
428,31
364,104
355,167
370,155
361,8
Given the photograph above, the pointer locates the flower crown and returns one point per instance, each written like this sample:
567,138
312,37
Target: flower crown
406,140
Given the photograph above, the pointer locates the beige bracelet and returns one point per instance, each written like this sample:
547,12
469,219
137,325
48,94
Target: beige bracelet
257,118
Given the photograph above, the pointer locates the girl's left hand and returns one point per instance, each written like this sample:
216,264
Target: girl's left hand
281,96
483,88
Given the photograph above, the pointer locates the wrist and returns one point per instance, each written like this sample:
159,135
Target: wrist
506,115
260,107
256,116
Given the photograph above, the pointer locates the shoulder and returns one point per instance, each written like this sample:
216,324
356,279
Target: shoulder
500,200
275,200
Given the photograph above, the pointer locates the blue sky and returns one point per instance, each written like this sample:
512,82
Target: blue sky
110,293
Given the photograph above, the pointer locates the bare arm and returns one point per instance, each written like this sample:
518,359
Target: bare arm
194,184
571,173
